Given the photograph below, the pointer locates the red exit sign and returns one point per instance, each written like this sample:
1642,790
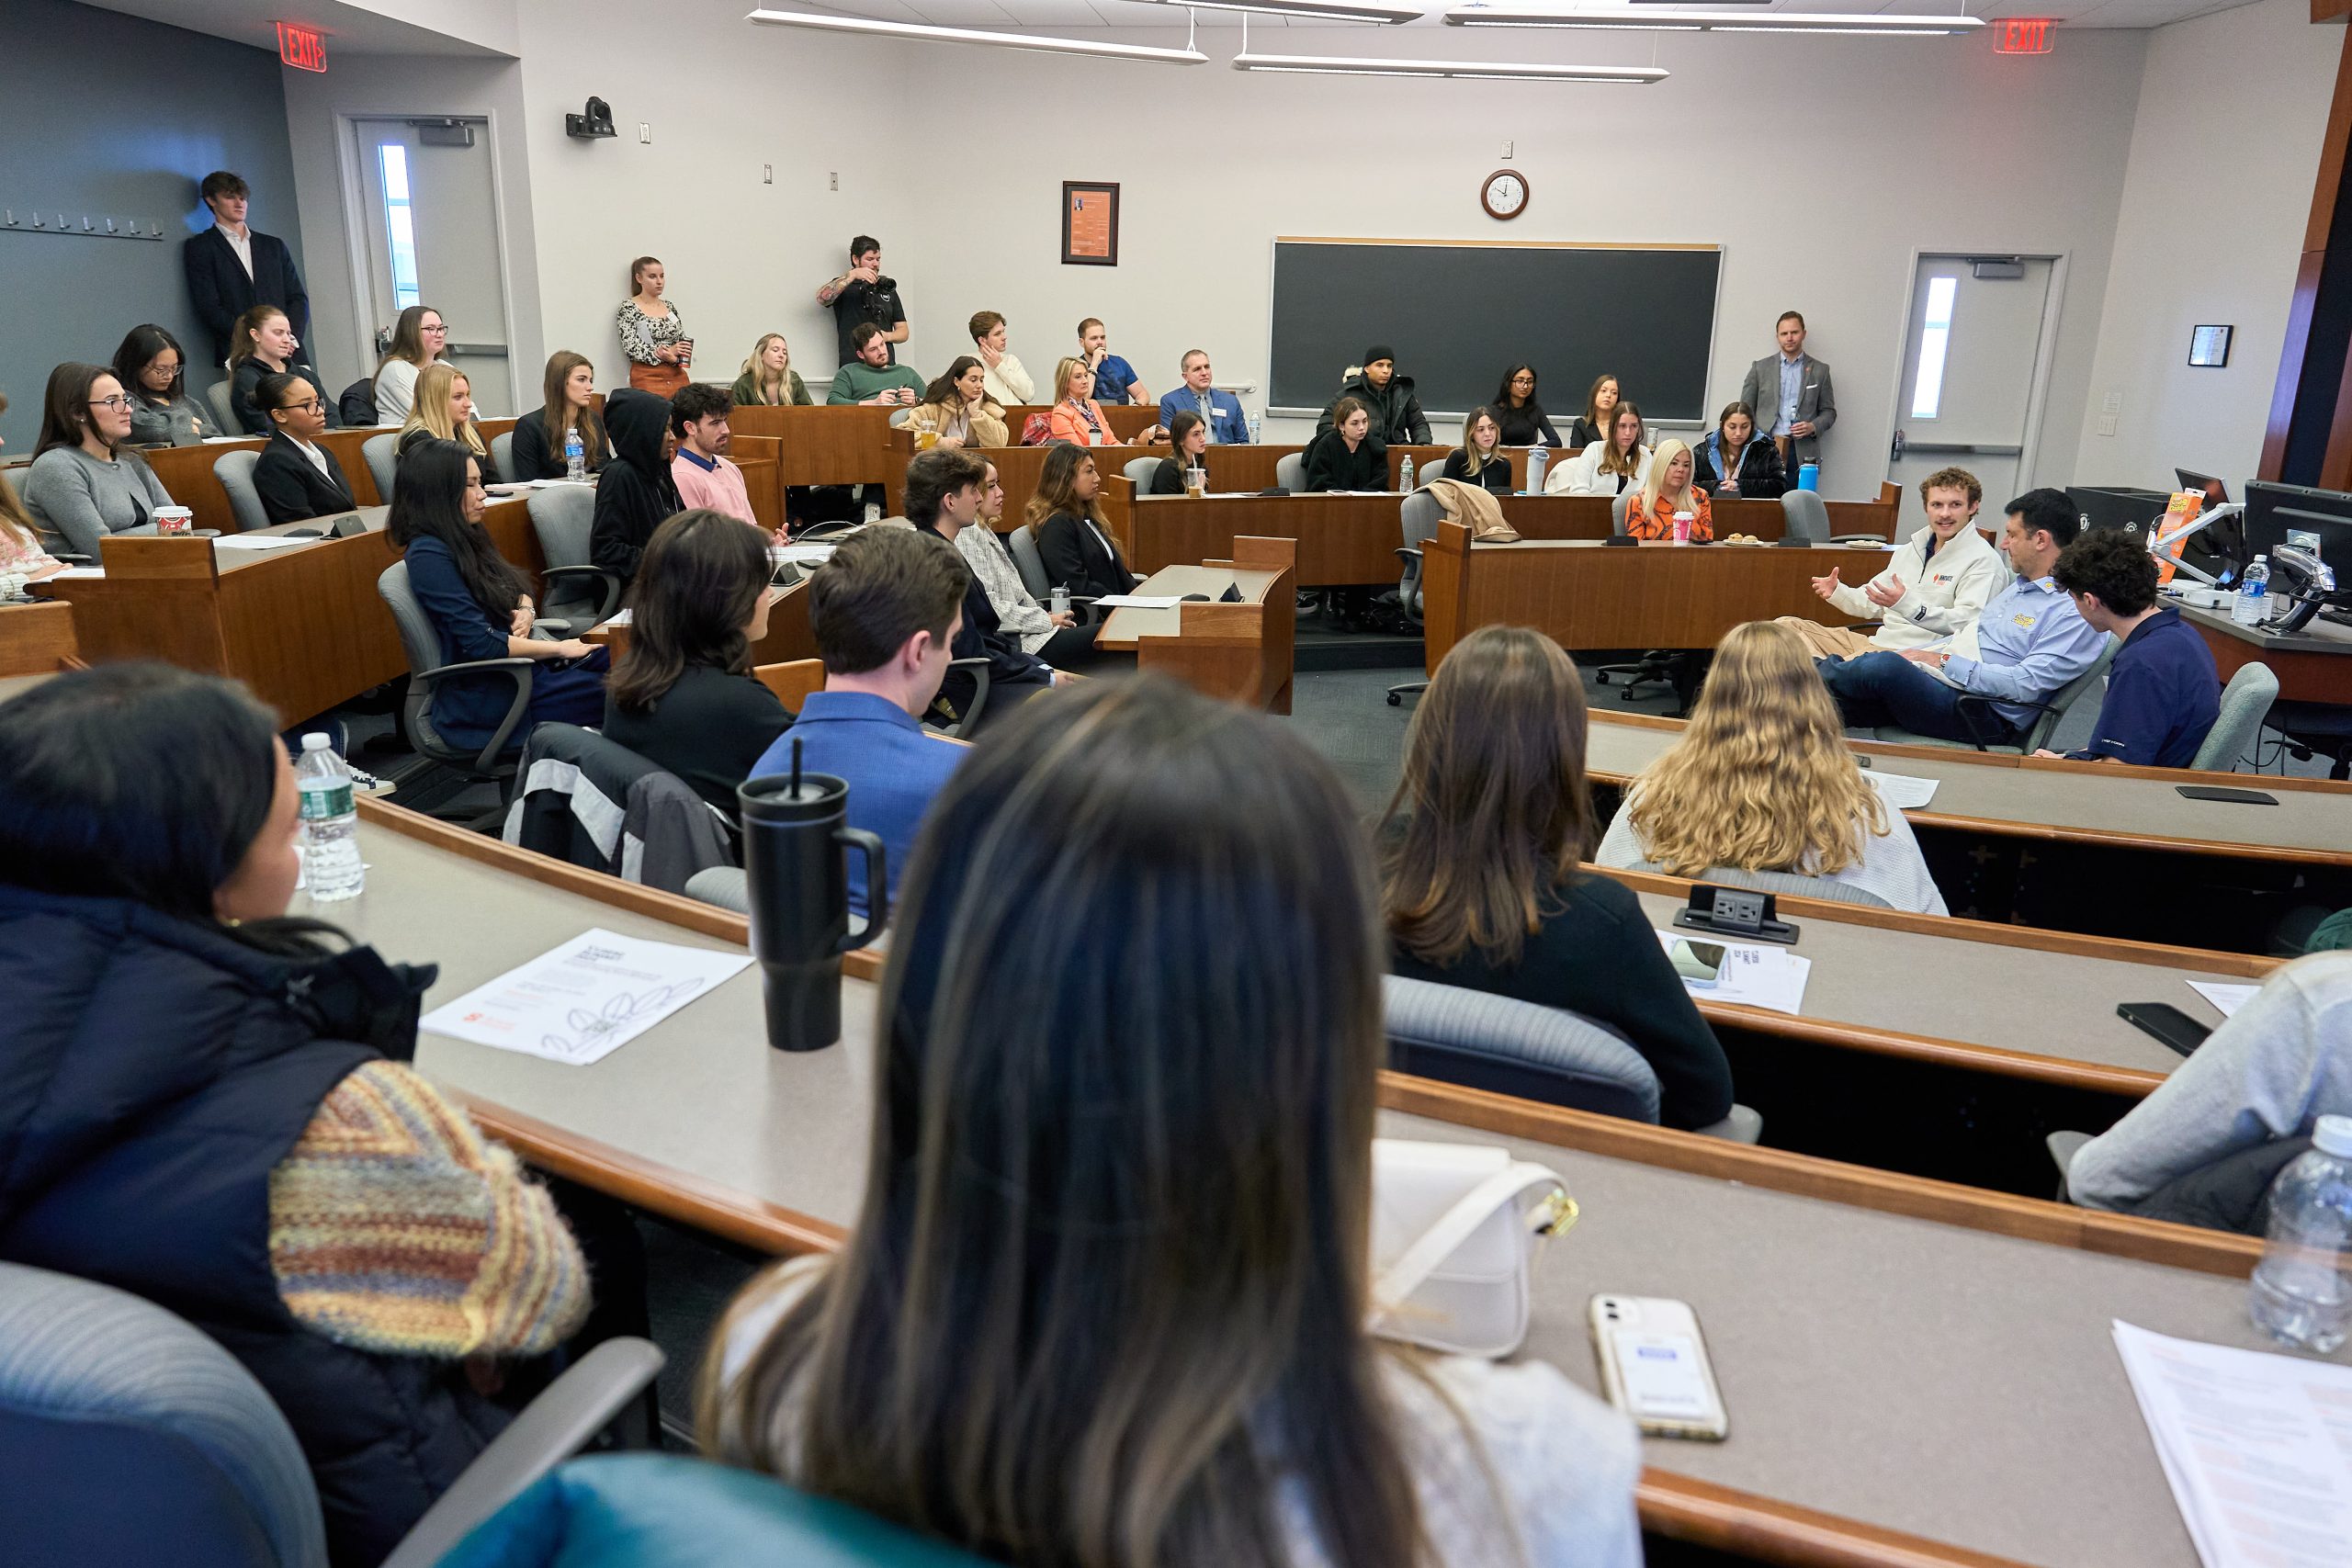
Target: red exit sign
2023,34
305,49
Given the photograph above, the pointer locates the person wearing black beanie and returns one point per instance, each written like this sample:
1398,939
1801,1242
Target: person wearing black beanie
1397,417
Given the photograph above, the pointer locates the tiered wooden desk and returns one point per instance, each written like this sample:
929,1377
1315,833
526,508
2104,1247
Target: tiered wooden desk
1240,652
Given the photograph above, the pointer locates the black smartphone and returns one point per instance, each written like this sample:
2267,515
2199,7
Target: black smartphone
2166,1022
2235,796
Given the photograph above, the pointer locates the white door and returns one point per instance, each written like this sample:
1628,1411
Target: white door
1973,373
432,226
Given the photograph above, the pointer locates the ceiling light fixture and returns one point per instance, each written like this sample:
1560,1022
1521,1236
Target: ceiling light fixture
871,27
1306,10
1624,20
1467,70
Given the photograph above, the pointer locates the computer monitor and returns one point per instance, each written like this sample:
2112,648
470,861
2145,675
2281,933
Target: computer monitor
2134,511
2216,493
2272,510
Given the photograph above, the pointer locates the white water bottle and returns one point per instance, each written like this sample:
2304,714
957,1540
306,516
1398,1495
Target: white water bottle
1257,428
330,825
2302,1287
575,455
2252,607
1537,459
1405,475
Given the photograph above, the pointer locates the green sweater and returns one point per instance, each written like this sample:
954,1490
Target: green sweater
858,381
746,392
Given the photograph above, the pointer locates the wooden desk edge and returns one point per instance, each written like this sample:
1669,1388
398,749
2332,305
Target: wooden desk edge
1766,1529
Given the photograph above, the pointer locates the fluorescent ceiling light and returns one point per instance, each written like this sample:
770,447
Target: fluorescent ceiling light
1621,20
971,35
1467,70
1306,10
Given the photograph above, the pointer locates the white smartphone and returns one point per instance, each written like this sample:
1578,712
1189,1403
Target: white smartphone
1701,963
1654,1367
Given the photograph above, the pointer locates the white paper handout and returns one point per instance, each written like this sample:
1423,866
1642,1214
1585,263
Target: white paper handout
801,555
586,999
1755,975
1139,601
1904,792
2226,998
259,541
2257,1448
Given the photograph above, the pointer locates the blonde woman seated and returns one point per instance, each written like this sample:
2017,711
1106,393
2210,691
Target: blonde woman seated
1667,492
1606,467
958,409
444,411
1480,461
1077,418
768,378
1762,781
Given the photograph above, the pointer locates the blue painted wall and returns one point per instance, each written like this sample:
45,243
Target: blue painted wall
119,117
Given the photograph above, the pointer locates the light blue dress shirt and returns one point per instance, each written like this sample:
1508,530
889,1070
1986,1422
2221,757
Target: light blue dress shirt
1792,386
2030,640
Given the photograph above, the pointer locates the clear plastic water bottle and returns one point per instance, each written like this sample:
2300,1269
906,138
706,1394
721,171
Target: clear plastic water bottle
1405,475
2252,607
1257,428
1538,458
2302,1287
872,512
330,825
575,455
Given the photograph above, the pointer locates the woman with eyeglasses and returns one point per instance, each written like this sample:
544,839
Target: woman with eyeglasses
418,338
297,477
84,484
154,371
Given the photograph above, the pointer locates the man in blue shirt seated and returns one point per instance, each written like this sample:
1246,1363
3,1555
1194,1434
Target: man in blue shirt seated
2162,691
1221,412
1114,379
2024,645
886,608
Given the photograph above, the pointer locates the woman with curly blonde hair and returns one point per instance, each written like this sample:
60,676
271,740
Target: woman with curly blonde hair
1762,781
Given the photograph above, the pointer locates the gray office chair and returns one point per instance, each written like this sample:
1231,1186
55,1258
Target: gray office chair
493,761
725,887
898,417
1139,471
1523,1049
1290,471
382,456
1803,515
1617,510
222,396
1023,545
579,592
1794,883
235,472
502,454
2245,702
2047,716
1421,515
1659,666
122,1426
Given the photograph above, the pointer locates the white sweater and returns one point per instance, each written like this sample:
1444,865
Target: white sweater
1939,598
2279,1063
1008,383
395,392
1564,1464
1581,475
1891,866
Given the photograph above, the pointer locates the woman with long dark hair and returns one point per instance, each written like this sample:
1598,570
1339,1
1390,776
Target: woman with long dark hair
569,392
85,482
1600,413
683,696
1519,417
152,368
207,1103
1481,846
480,604
958,408
1106,1301
1065,516
418,338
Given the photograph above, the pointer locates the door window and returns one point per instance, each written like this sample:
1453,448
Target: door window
399,225
1935,342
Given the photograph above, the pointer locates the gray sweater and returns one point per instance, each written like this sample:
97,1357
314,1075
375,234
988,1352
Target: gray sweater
77,500
181,421
2278,1065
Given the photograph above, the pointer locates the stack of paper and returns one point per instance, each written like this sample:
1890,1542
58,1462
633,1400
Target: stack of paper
1139,601
257,542
2226,998
586,999
1755,975
2257,1448
1902,791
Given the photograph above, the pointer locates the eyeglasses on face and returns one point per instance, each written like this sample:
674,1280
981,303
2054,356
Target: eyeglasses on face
117,402
315,405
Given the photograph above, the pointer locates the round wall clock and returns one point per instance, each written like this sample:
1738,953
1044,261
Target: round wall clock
1504,196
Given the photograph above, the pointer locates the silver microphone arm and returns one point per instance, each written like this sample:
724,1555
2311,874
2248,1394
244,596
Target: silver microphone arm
2168,546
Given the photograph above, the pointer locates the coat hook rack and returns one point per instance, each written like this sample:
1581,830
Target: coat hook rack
12,221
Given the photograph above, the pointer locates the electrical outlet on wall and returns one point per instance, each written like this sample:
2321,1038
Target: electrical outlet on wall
2112,403
645,131
2106,424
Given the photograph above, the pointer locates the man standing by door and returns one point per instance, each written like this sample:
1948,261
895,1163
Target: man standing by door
1792,396
231,268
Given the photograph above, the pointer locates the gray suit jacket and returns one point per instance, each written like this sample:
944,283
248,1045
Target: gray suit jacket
1817,400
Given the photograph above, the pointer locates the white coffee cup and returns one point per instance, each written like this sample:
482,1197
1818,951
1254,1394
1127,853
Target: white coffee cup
173,520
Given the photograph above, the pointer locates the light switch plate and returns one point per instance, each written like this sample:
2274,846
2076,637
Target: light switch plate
2106,424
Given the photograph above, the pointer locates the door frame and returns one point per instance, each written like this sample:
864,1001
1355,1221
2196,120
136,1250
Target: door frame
2045,352
357,215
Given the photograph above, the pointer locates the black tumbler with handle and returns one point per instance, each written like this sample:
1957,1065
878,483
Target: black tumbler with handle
796,844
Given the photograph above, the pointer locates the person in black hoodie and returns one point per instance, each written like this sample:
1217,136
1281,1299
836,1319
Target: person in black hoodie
188,1077
1388,398
945,489
635,493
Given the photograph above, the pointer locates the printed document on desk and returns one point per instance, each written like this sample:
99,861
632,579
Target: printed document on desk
1139,601
2257,1448
1755,975
1904,792
584,999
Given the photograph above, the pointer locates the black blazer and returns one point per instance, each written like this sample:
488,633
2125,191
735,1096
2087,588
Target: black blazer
535,459
292,489
1076,559
221,292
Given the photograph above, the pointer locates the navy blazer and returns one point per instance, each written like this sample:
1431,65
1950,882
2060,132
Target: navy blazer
218,286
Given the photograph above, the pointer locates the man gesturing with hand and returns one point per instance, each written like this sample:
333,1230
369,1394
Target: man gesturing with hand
1940,580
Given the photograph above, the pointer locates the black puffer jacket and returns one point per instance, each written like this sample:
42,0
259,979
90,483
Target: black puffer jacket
1397,416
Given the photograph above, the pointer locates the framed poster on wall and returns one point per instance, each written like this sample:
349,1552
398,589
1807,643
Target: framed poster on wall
1089,224
2208,347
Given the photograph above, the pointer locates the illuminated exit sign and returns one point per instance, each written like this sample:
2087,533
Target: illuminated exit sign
305,49
2023,34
